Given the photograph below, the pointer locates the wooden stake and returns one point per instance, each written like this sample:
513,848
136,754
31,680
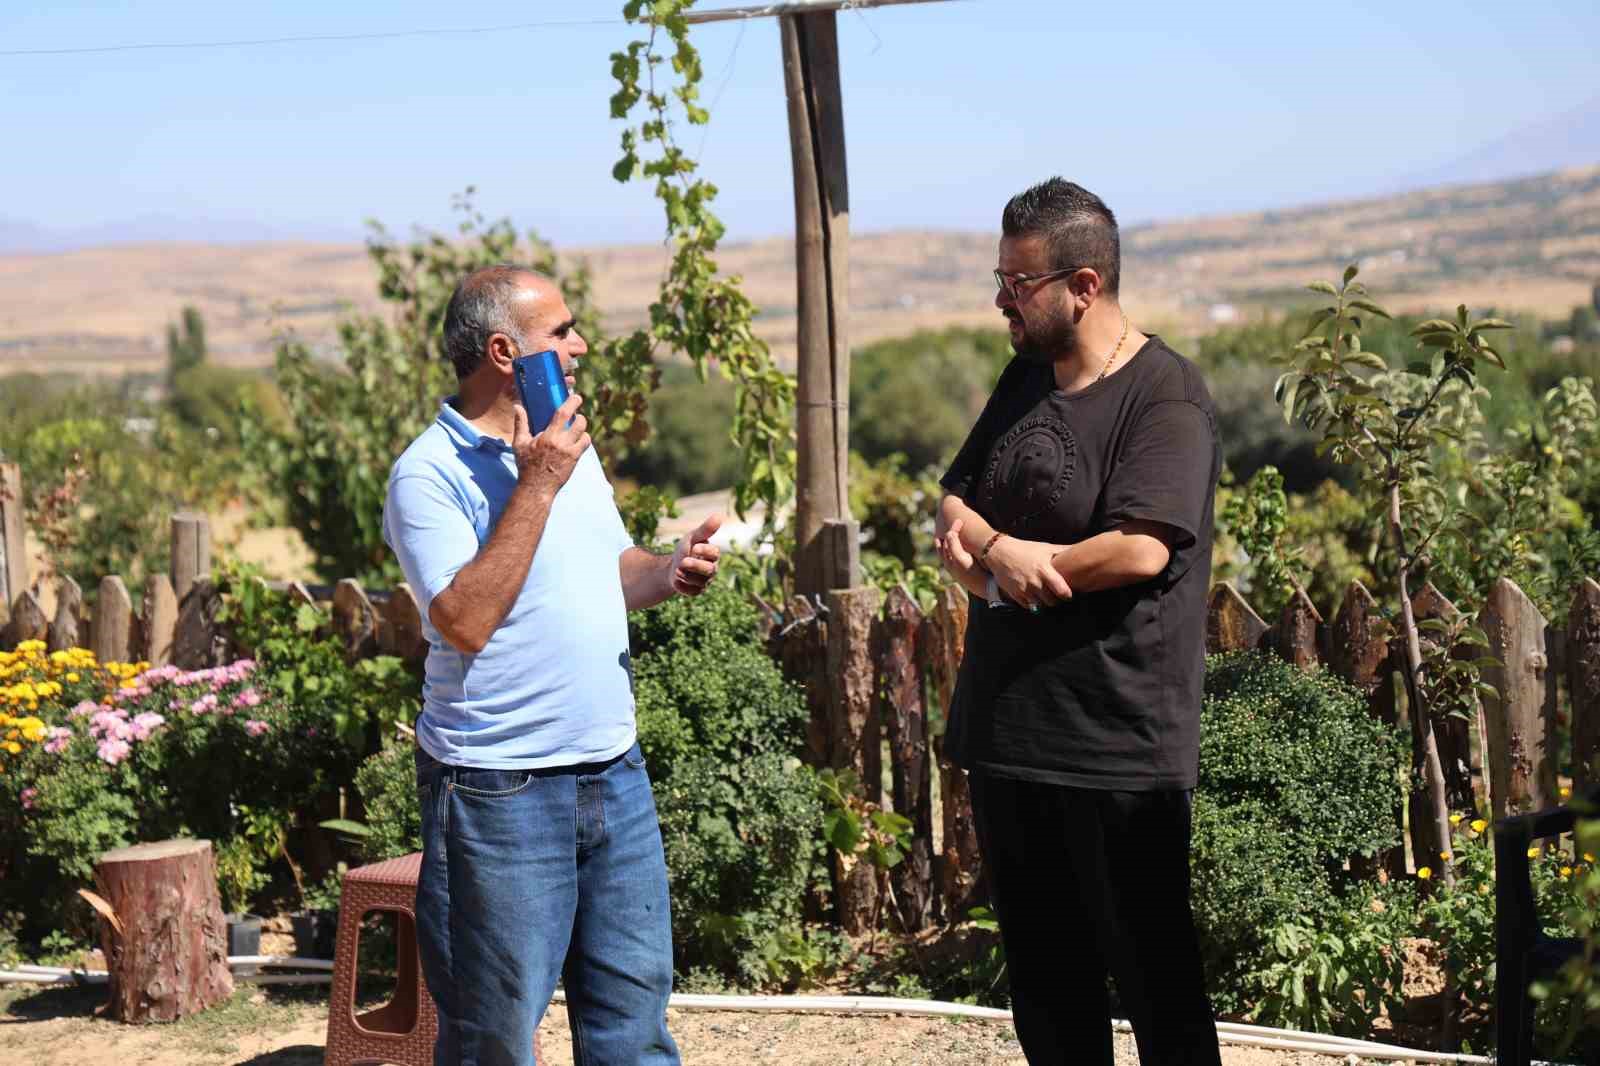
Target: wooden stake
822,234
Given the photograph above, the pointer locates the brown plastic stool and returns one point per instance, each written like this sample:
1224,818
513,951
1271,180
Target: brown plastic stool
401,1031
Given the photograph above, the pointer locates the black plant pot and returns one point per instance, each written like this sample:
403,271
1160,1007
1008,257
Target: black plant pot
244,938
315,933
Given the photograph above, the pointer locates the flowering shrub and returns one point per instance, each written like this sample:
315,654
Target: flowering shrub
100,755
1460,916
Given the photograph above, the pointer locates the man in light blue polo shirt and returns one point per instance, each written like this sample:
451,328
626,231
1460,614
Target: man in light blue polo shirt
541,850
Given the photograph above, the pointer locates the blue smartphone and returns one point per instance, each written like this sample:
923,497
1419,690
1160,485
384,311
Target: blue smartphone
543,387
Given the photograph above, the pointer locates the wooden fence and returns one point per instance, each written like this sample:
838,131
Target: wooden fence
874,668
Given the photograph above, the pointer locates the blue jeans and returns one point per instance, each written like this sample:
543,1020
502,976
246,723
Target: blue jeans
528,875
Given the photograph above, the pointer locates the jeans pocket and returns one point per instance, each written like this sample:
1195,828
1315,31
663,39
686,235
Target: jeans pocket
490,784
634,758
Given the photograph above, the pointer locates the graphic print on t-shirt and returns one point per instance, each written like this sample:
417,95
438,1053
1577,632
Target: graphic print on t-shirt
1029,472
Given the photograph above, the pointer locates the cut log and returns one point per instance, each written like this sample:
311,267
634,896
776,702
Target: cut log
170,959
28,621
958,868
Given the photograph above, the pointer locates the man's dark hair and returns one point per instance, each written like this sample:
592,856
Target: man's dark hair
1078,228
481,306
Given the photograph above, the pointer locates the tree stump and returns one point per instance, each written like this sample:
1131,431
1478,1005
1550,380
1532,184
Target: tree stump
170,957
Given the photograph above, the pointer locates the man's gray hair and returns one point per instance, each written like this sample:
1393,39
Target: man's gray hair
481,306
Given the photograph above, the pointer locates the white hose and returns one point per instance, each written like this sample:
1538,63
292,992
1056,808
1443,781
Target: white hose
1228,1032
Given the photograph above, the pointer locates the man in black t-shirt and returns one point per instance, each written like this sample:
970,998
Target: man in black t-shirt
1078,515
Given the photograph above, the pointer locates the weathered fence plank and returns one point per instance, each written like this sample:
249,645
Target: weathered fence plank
197,644
159,620
191,551
66,629
1521,755
1583,681
27,620
800,647
355,620
1231,623
853,736
1295,635
1359,650
112,628
13,539
403,625
902,711
958,868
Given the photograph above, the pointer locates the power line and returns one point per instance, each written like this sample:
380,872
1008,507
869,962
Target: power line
254,42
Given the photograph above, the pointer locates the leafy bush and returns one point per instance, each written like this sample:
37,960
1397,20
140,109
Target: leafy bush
690,449
387,784
739,813
1296,777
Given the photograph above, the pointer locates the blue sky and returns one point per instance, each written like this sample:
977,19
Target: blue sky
1165,109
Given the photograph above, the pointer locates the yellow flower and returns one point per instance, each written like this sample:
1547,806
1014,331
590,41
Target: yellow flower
1455,819
1479,825
1533,853
13,747
1587,857
1564,792
1566,871
73,678
1483,890
1424,873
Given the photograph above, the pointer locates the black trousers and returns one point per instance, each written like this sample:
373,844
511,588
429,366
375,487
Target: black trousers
1087,883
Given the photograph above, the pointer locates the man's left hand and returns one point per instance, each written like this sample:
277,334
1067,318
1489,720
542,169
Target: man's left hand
694,562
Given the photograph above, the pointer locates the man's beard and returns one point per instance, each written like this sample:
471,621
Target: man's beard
1047,338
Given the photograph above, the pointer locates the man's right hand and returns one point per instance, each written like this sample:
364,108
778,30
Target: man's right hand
545,461
1026,574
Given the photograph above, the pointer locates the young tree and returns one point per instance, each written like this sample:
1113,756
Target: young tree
1386,423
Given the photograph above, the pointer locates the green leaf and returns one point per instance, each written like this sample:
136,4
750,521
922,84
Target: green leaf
347,827
1324,287
1369,307
1350,272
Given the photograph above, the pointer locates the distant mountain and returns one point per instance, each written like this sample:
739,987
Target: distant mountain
1532,244
1559,143
26,237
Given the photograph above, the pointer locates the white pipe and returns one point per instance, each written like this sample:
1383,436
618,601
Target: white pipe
285,978
1227,1032
280,960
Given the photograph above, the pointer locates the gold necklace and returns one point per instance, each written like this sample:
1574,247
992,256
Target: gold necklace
1107,364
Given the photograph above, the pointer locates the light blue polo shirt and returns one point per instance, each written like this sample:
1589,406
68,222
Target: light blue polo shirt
552,687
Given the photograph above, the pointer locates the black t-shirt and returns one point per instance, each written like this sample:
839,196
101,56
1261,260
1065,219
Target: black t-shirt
1104,690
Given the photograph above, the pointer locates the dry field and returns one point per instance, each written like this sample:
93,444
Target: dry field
1531,244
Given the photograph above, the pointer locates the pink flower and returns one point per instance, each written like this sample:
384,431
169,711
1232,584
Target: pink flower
204,704
59,739
145,724
27,798
142,690
255,727
174,705
311,731
83,709
248,698
114,751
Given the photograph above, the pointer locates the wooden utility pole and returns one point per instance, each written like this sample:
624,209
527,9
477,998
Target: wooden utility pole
827,551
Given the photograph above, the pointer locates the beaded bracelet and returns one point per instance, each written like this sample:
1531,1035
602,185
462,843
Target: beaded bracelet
983,556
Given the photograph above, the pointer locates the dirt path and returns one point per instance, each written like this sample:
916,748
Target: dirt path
59,1028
